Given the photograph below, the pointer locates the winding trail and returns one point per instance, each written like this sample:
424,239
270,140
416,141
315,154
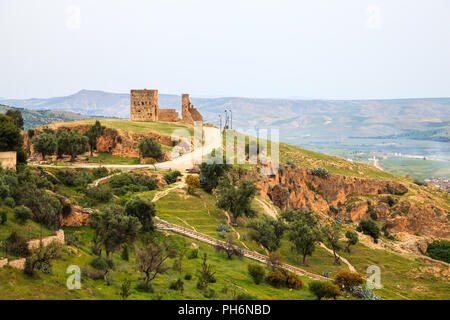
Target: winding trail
350,267
164,225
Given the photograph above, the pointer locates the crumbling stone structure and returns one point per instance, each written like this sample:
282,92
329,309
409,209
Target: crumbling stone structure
144,107
188,112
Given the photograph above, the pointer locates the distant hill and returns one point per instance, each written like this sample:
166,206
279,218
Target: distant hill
295,118
35,118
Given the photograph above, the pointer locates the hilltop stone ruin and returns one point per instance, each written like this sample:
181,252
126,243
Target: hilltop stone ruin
144,107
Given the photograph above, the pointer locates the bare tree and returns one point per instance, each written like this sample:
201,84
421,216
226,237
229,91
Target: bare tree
151,260
229,248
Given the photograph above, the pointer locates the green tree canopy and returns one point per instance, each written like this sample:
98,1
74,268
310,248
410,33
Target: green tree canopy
45,144
94,132
77,144
113,228
142,209
267,232
303,231
210,175
236,197
331,235
16,115
10,136
149,147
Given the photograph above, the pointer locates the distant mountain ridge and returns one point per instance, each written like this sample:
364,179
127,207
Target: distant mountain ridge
35,118
294,118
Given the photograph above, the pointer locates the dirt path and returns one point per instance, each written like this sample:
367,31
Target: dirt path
350,267
213,140
164,225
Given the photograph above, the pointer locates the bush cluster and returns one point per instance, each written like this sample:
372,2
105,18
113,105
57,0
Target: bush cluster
322,289
124,182
281,278
172,176
320,172
257,272
346,279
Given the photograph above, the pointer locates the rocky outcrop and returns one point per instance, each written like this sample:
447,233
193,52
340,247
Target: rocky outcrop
298,188
119,142
427,220
77,217
337,195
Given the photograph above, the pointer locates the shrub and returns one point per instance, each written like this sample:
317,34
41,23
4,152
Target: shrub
72,239
66,176
171,177
193,254
3,216
121,180
9,202
293,281
257,272
22,214
322,289
364,293
277,278
146,181
150,148
346,279
16,245
177,285
145,287
188,276
149,161
100,193
439,250
369,227
100,263
100,172
244,296
193,182
320,172
125,255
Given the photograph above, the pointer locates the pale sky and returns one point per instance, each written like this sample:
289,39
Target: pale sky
330,49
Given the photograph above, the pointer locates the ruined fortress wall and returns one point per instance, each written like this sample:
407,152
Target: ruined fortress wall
188,113
144,105
168,115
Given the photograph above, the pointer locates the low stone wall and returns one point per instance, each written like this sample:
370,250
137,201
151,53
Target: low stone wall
3,262
18,264
58,237
34,244
8,159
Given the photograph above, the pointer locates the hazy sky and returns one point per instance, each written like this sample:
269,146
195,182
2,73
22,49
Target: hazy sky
334,49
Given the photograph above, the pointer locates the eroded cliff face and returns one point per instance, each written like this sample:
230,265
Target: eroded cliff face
119,142
353,198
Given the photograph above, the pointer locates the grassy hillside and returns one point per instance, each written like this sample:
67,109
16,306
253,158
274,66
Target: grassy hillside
165,128
35,118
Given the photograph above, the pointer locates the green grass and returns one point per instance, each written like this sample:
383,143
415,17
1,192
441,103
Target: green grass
399,275
108,158
232,277
29,230
165,128
417,168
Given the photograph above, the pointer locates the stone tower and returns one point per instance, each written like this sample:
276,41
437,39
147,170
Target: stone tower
144,105
188,113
